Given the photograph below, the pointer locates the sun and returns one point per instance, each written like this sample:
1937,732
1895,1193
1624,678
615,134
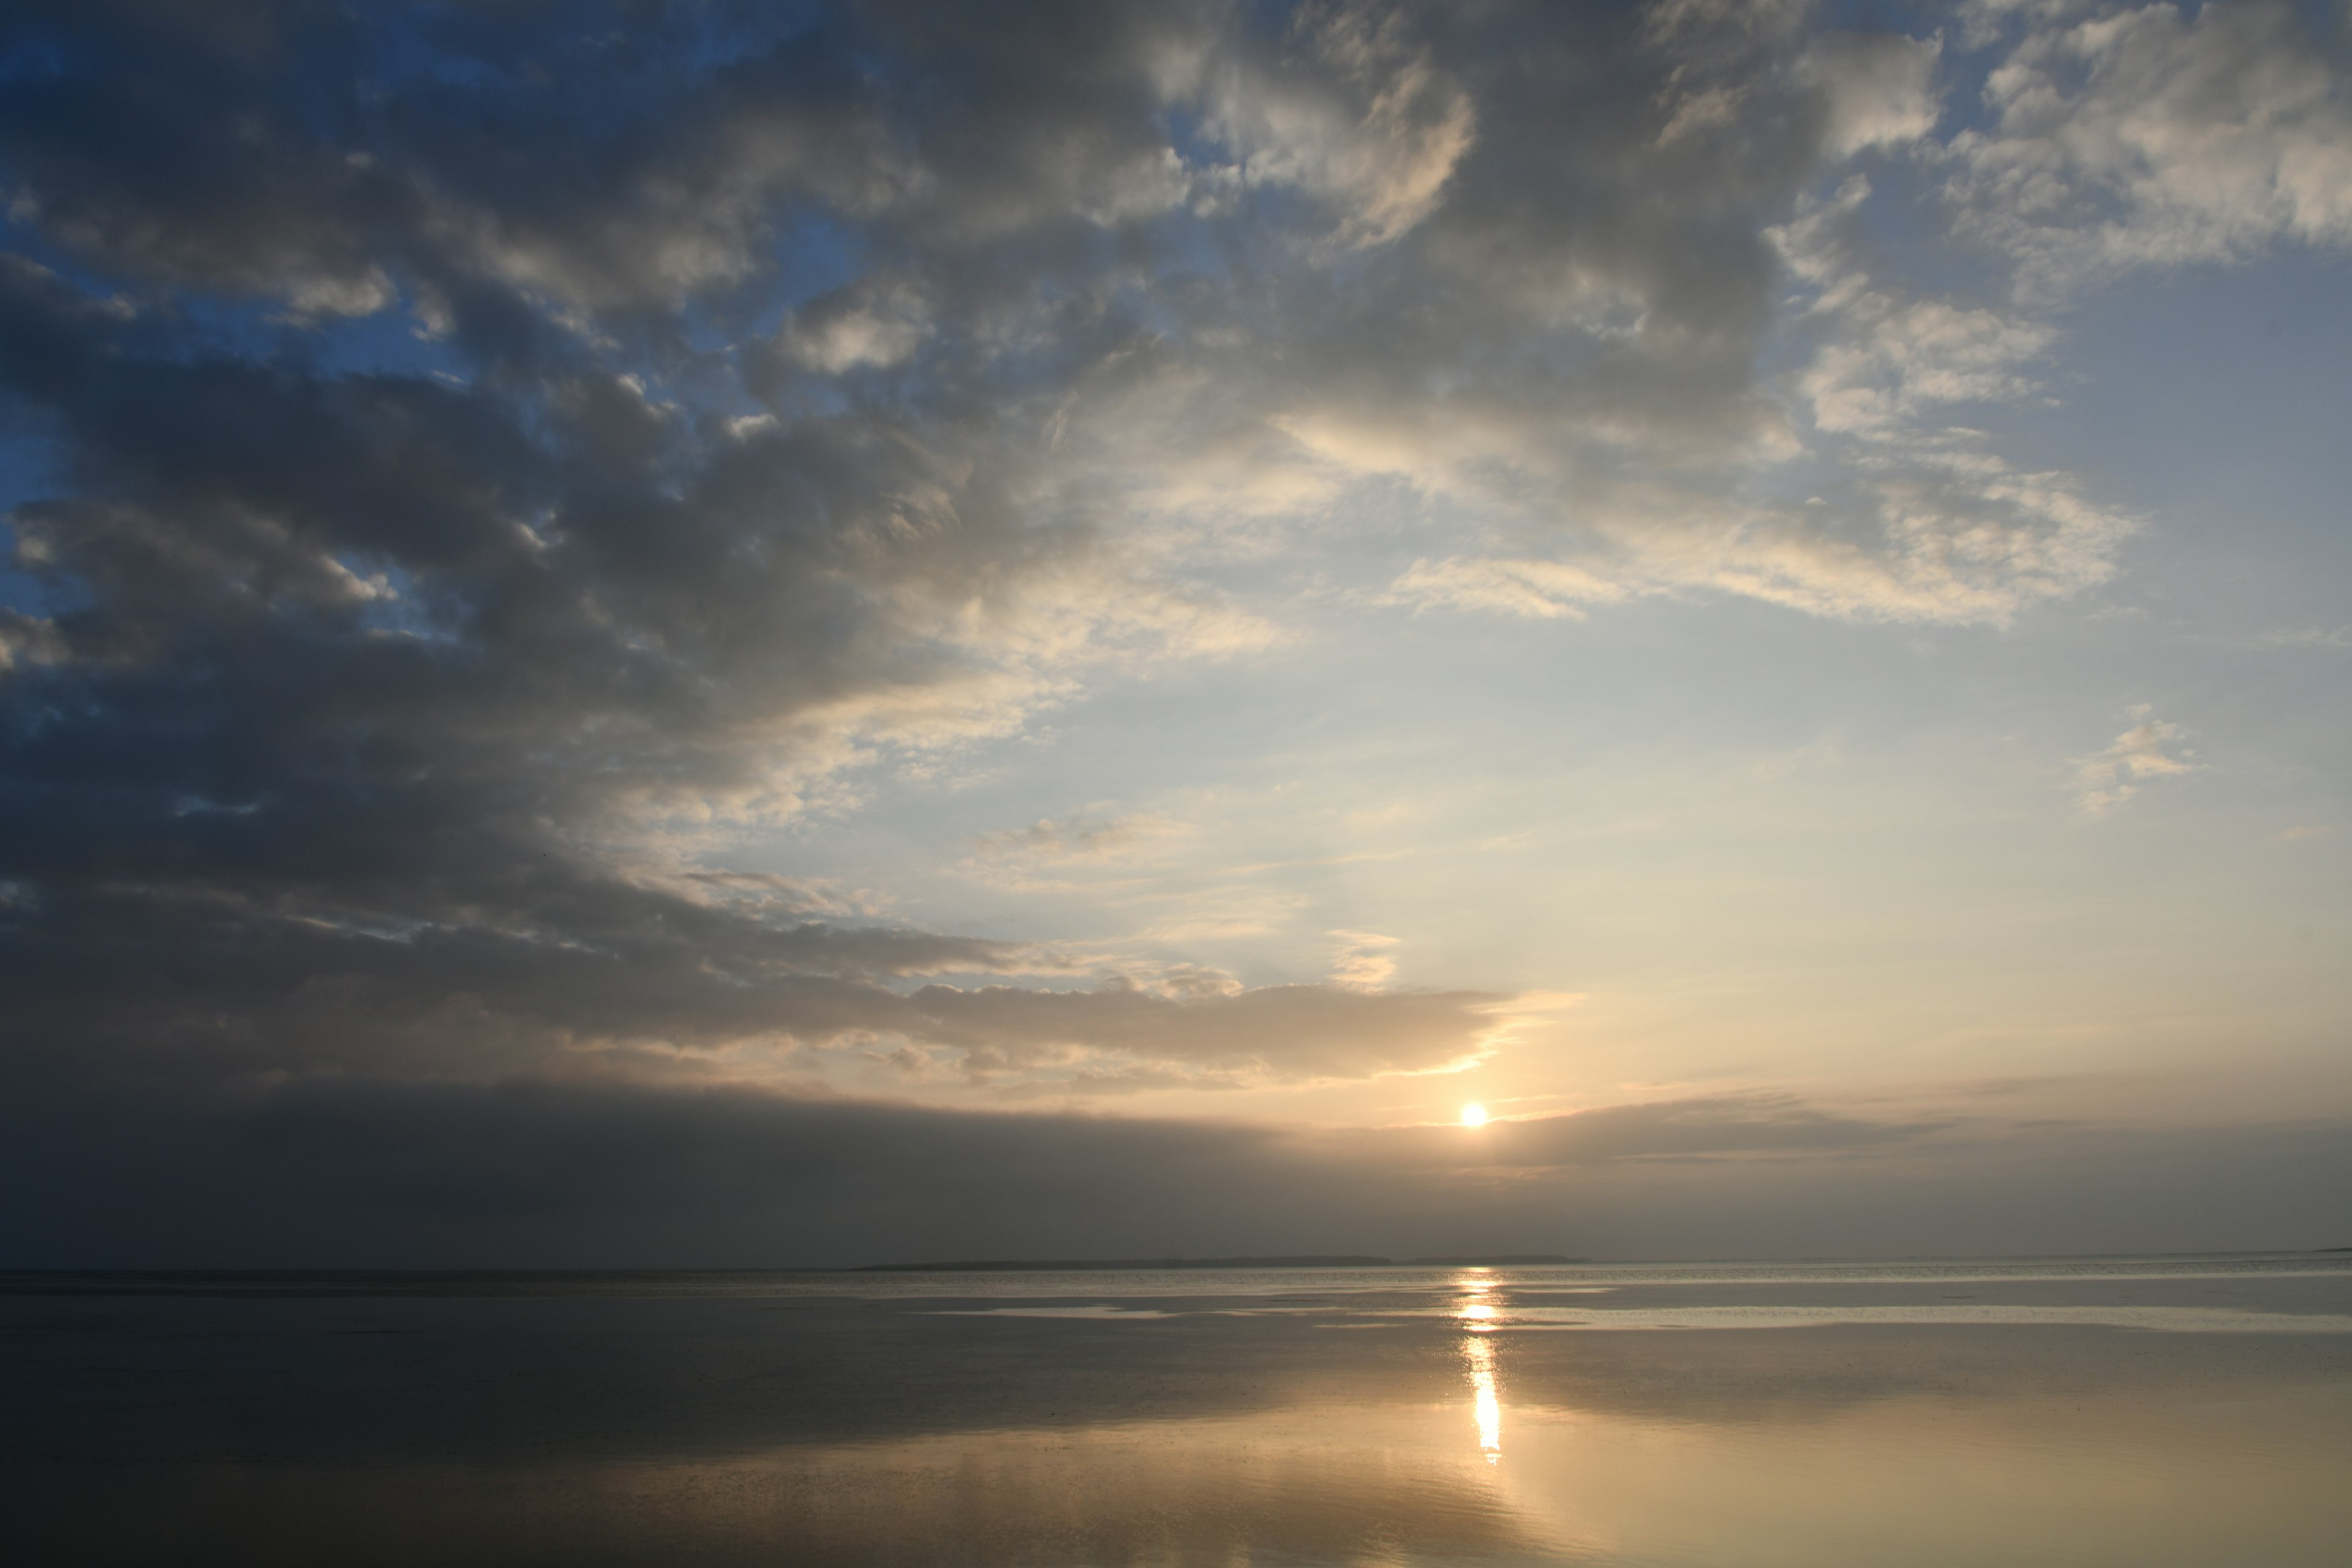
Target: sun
1474,1116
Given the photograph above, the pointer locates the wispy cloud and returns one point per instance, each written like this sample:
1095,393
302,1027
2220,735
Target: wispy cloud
2152,135
1365,960
1085,840
2150,749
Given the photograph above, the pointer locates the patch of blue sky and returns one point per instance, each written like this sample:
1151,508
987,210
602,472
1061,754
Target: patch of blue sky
2252,359
386,342
411,610
2247,375
1822,481
694,356
1905,223
392,341
197,323
1154,301
1905,228
45,596
1906,249
32,54
28,468
1876,16
812,252
1270,18
1189,136
24,240
493,48
1193,269
28,473
714,37
612,71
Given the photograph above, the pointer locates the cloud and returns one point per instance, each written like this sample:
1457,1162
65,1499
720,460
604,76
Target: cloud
1729,1126
1364,961
1916,533
2310,637
1079,839
2155,136
1589,393
2151,749
1375,130
485,463
1879,89
1267,1035
425,694
614,980
27,640
1899,357
364,1171
1542,589
877,323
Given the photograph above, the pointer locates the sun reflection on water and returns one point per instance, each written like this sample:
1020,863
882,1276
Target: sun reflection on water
1486,1406
1477,1314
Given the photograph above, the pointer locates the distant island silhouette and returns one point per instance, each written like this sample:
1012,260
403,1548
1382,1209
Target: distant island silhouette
1315,1260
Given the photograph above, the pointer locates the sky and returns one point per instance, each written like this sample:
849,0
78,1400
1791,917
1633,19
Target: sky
758,634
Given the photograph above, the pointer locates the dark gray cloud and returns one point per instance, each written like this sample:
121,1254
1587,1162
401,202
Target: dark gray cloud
362,1171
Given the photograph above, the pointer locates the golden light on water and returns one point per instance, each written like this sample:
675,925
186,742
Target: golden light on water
1487,1404
1476,1313
1474,1116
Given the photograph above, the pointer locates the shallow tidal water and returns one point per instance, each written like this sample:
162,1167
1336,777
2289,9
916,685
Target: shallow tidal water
2148,1412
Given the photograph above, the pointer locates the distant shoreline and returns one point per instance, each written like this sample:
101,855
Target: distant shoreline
42,1280
1312,1260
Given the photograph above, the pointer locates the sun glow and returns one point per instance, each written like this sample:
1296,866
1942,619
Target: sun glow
1474,1116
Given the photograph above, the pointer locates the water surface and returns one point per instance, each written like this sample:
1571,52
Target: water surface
2182,1411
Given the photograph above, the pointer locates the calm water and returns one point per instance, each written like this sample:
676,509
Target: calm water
2117,1411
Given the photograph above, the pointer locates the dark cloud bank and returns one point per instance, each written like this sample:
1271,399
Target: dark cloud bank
369,1172
468,460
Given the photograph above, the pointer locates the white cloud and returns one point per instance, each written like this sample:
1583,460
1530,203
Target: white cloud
26,641
1377,132
2150,749
882,332
2148,136
1897,357
1929,521
1916,533
363,294
1960,538
1542,589
1365,960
